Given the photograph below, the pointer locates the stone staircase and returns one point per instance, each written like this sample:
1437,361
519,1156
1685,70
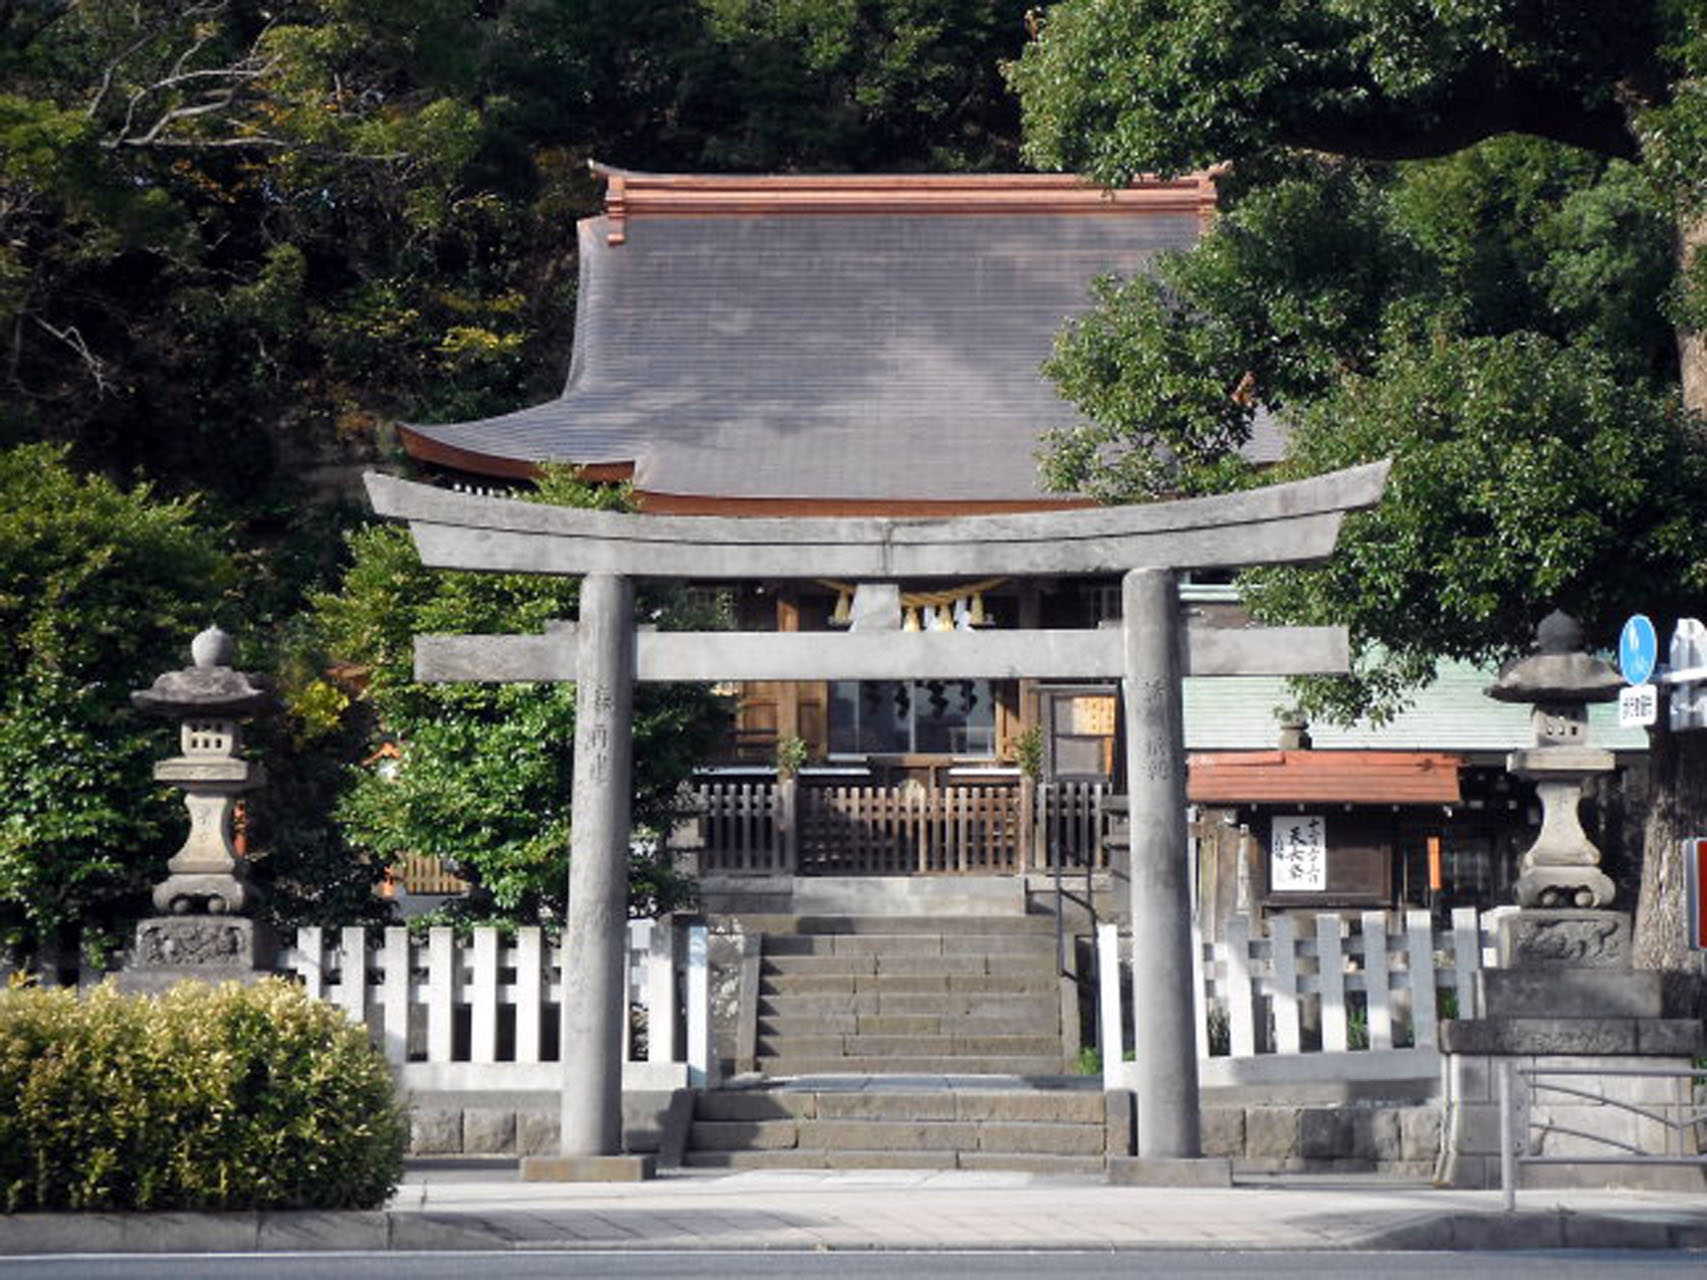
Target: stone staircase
906,1124
907,1043
855,995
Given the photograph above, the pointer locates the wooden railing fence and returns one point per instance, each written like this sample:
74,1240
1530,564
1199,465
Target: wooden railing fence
804,828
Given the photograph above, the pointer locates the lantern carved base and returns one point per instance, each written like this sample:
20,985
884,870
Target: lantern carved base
1564,940
1556,886
173,949
220,894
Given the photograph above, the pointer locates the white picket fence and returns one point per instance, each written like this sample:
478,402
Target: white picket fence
1305,992
483,1015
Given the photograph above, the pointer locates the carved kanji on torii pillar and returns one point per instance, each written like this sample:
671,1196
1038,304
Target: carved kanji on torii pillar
1150,653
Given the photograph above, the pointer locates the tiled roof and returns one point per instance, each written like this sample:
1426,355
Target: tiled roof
819,339
1323,777
1237,713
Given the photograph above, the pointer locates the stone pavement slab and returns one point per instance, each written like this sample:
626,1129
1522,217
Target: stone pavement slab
488,1207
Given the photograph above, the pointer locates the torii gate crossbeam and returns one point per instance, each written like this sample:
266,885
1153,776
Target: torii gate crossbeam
605,654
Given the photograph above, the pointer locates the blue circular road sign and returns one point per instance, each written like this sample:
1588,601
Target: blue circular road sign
1638,649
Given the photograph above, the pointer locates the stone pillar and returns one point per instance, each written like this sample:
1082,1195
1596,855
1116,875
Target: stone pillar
595,1000
1168,1124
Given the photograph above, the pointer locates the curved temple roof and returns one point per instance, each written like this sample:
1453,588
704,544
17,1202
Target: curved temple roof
835,343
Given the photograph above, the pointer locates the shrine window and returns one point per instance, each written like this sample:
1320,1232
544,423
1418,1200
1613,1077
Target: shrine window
912,717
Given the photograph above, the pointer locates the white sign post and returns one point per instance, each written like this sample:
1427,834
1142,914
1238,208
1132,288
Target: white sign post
1688,675
1638,706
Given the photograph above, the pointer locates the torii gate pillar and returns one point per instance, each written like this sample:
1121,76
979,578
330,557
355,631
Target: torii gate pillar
594,983
1162,997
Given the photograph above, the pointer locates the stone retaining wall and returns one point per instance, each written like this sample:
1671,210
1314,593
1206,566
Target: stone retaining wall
1353,1138
1334,1139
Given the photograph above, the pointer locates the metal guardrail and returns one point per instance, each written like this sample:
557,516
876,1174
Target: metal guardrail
1684,1125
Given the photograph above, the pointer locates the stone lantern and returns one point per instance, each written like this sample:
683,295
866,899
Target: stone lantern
1562,867
203,931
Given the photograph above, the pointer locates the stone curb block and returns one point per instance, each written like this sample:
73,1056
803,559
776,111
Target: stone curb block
414,1230
1536,1229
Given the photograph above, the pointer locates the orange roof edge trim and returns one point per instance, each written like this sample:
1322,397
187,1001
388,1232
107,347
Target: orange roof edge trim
630,194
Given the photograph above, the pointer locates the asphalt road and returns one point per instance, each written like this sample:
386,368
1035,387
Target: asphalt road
868,1265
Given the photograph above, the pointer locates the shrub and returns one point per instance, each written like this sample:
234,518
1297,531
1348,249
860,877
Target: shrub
230,1097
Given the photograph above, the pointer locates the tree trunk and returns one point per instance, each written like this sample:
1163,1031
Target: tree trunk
1677,810
1677,761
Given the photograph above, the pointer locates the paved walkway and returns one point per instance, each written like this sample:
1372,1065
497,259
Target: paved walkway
469,1207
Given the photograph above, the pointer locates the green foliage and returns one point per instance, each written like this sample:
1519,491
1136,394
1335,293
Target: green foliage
791,753
1493,321
100,590
1116,87
1526,475
482,775
236,242
1028,748
207,1098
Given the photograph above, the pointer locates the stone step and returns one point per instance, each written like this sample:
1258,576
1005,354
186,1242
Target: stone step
904,965
1029,982
959,1065
898,1135
991,1161
1031,1020
914,944
1006,1106
905,1046
1024,1009
1007,924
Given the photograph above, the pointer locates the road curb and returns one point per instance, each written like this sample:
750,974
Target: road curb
1538,1229
414,1230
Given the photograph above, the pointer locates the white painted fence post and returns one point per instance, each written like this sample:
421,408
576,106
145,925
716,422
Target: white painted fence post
483,997
1424,1015
394,995
661,995
441,992
1199,987
1330,980
311,960
1283,958
1466,959
351,995
1241,1002
530,992
702,1056
1376,983
1111,1041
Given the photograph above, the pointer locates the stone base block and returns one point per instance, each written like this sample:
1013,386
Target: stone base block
588,1169
172,949
1582,1037
1564,938
1143,1171
1537,992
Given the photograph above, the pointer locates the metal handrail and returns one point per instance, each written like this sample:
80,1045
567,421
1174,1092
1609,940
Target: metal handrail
1514,1145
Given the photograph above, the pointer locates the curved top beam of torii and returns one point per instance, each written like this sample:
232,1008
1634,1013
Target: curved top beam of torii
1279,524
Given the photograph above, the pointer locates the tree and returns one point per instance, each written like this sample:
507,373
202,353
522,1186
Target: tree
480,775
236,239
1512,320
101,589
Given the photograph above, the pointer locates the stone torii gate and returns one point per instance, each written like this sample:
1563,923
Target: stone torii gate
605,654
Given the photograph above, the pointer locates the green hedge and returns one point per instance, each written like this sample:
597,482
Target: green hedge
228,1097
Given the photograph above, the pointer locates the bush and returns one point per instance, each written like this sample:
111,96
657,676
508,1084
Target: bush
230,1097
